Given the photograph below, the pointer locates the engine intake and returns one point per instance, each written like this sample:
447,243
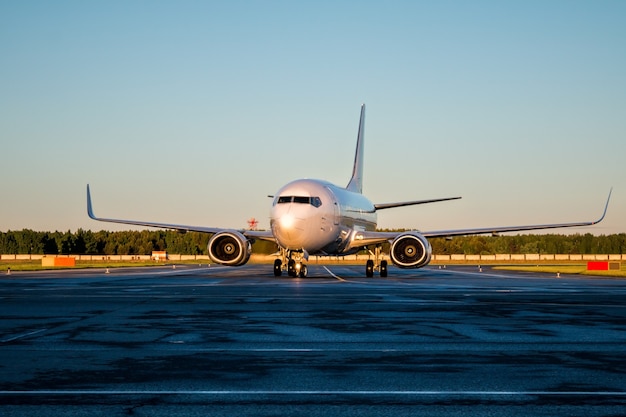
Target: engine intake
410,250
229,248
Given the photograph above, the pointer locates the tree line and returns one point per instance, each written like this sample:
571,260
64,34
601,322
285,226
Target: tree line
102,242
577,244
86,242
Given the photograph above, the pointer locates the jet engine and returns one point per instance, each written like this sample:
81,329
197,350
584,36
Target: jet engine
410,250
229,248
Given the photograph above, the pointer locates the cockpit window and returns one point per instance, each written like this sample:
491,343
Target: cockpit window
314,201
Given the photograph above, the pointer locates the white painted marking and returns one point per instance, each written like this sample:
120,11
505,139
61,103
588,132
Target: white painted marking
345,280
333,275
22,336
469,393
486,274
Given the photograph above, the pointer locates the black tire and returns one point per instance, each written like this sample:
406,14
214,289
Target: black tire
369,268
383,269
278,268
291,268
303,271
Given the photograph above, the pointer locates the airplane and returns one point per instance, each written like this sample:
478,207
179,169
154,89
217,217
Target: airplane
315,217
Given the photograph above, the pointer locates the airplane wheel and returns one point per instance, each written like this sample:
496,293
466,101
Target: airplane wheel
383,269
291,268
303,271
369,268
278,268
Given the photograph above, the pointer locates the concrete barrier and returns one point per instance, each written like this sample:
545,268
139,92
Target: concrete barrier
530,257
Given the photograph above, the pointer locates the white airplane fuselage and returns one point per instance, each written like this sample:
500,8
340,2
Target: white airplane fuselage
316,216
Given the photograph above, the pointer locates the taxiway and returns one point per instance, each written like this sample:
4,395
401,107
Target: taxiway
200,340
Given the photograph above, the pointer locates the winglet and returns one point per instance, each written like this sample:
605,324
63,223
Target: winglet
89,206
356,182
605,207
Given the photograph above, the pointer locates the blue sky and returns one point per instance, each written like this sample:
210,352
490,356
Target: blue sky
192,112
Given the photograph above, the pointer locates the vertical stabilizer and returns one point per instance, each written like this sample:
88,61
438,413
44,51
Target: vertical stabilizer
356,182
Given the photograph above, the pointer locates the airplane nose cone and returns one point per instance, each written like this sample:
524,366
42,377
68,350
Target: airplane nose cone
289,229
287,222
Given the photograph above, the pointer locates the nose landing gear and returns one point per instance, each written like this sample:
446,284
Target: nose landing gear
297,269
292,262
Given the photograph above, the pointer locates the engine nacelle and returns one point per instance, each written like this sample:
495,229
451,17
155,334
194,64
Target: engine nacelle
410,250
229,248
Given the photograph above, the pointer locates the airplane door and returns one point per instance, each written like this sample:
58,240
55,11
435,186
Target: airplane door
336,211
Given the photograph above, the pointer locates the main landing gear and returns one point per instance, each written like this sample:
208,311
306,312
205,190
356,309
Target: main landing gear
294,262
376,264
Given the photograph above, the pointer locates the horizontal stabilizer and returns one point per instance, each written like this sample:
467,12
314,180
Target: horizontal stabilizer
412,203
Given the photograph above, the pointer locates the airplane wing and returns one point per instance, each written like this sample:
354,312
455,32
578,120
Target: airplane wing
264,235
371,238
502,229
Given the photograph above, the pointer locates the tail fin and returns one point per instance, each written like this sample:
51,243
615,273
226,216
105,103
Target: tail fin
356,182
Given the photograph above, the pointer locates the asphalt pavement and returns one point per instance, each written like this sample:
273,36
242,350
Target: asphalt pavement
199,340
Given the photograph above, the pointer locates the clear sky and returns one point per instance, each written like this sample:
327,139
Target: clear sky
192,112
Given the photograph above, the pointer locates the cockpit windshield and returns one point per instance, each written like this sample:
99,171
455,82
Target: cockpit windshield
314,201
